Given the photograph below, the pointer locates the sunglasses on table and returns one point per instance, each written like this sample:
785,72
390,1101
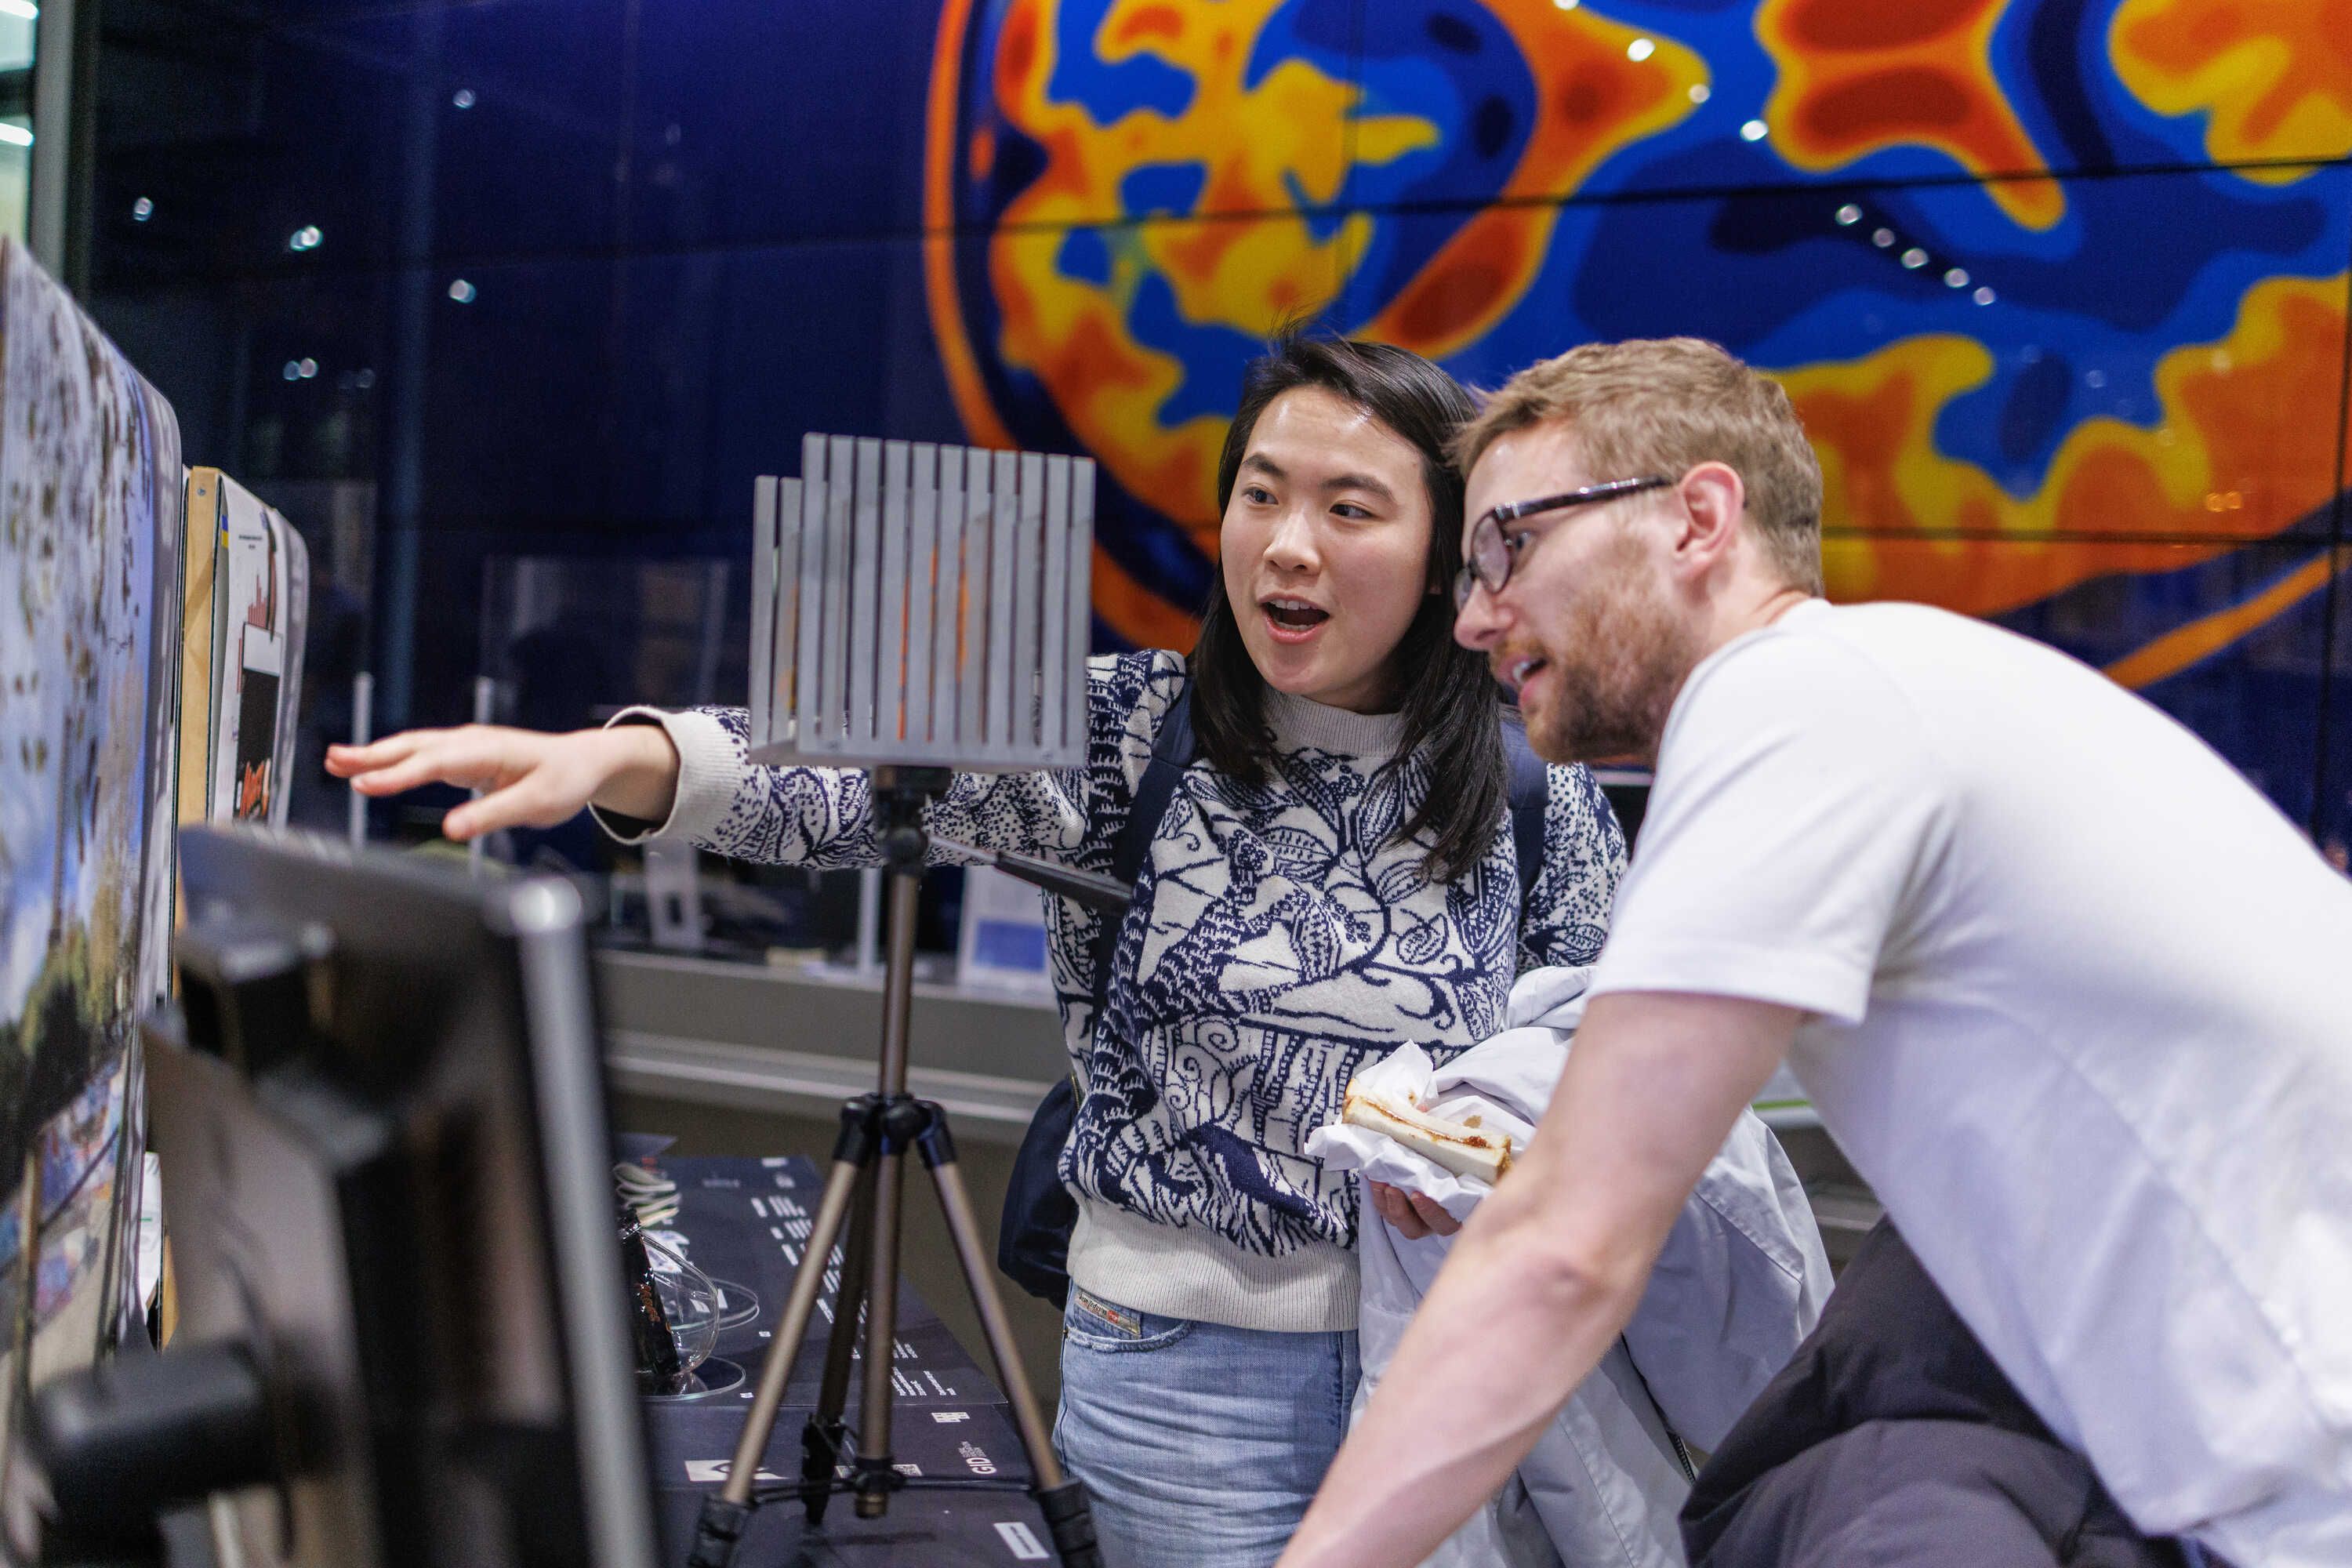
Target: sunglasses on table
1492,553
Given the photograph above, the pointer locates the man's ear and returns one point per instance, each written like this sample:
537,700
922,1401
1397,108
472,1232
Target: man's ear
1714,503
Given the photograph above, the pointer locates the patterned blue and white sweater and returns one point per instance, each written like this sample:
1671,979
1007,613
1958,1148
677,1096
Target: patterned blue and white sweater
1278,941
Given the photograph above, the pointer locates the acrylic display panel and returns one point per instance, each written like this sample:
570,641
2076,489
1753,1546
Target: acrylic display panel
568,640
90,529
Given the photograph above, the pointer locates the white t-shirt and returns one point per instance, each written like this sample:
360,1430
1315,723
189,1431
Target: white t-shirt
2081,1013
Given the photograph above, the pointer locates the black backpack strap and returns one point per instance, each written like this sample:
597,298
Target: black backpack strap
1171,753
1530,792
1032,1238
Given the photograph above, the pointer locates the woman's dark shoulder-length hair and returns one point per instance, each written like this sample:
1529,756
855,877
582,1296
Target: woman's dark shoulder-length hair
1449,703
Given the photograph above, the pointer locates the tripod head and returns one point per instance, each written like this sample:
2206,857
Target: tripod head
900,794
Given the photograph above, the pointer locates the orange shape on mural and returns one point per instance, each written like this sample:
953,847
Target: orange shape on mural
1240,257
2244,450
1858,78
2274,76
1598,90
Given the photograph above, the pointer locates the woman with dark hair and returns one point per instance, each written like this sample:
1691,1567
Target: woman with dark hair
1446,718
1333,876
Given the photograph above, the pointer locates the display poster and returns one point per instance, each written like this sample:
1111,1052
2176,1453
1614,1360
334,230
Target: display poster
260,583
91,525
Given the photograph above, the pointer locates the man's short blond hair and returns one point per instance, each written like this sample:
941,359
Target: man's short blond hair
1661,406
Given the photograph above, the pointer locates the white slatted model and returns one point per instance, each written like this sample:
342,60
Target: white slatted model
923,605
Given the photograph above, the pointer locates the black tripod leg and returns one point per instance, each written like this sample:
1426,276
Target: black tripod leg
1062,1499
874,1476
726,1515
824,1439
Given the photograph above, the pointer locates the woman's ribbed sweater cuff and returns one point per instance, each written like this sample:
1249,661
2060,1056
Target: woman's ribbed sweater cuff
710,769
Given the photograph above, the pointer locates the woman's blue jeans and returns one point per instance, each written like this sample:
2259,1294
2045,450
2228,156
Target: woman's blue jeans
1200,1446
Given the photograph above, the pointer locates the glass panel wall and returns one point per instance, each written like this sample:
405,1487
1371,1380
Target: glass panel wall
2064,307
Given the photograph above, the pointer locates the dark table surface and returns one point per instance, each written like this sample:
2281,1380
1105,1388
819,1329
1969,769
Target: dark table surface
744,1223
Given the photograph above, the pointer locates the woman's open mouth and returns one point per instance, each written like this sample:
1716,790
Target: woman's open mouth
1292,620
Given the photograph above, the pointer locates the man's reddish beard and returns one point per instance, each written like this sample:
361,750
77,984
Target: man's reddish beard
1613,663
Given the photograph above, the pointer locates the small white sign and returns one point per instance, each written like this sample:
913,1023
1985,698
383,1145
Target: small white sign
1022,1542
713,1472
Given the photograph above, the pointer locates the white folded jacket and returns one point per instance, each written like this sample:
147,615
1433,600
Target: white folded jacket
1739,1282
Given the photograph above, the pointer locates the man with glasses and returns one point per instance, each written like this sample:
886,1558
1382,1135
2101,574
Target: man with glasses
2066,989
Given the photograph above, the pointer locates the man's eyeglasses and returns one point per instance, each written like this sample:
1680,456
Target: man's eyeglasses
1492,553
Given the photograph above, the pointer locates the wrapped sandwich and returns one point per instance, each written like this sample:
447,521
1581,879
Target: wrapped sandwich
1462,1147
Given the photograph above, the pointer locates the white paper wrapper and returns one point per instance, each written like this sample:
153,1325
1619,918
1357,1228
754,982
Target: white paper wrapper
1406,1072
1504,1081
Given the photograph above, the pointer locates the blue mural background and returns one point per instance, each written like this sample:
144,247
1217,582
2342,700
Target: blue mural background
2061,297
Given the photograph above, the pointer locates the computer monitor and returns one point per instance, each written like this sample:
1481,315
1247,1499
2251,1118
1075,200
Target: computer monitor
388,1193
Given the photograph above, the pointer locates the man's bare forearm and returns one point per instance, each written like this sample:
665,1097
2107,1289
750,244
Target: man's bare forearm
1504,1337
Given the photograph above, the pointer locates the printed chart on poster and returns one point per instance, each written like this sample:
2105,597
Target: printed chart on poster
245,613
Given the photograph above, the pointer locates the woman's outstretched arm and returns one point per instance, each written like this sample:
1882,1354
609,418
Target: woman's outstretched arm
528,779
690,774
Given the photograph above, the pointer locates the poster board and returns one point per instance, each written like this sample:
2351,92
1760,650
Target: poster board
91,528
248,586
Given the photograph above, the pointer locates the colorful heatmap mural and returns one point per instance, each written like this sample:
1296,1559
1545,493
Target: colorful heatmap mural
2059,285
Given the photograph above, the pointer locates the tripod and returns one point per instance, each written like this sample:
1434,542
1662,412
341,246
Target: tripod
862,1192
